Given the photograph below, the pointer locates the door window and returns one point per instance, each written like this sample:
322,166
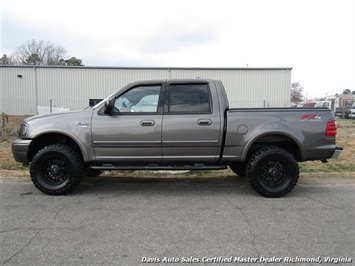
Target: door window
139,99
189,99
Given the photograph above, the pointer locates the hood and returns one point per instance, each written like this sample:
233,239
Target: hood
67,123
56,115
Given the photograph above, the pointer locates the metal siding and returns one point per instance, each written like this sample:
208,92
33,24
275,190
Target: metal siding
17,95
73,87
249,87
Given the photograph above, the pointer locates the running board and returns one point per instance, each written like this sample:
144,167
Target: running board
110,167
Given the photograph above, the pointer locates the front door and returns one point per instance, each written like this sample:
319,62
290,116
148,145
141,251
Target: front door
132,132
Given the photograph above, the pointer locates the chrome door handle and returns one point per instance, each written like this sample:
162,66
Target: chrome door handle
204,122
147,123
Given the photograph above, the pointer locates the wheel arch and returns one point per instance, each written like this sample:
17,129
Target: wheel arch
279,139
50,138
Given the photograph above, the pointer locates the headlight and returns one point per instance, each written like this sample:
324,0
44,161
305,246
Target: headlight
23,130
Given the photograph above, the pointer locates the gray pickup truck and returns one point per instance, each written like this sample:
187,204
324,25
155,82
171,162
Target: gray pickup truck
175,124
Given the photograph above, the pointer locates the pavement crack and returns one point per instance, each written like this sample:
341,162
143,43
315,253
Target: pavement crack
10,230
251,230
25,246
249,224
63,208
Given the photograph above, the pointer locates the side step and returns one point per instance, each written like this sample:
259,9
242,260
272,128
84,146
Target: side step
110,167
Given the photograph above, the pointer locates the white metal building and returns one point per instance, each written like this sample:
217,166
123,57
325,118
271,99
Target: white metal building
23,88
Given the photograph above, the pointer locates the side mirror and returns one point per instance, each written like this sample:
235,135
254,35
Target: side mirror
109,106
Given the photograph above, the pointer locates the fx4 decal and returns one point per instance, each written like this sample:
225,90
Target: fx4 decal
311,118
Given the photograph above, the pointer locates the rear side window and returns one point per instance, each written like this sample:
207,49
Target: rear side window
193,98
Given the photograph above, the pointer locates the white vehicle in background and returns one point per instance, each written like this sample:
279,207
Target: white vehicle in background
315,104
352,111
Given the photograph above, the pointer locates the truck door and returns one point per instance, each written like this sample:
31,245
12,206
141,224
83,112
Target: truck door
191,124
132,132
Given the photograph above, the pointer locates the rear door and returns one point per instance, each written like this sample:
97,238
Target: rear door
191,124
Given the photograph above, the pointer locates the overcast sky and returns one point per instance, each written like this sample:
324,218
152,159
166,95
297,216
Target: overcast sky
314,37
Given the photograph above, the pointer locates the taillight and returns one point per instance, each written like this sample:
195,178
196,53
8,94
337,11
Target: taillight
331,129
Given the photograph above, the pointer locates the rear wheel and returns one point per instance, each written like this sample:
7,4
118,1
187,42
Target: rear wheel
56,169
272,171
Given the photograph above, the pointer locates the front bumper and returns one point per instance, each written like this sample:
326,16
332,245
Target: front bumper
20,149
337,152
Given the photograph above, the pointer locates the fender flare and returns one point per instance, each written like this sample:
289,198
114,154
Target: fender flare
74,138
252,141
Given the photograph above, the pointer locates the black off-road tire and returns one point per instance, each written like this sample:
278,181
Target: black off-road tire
272,171
56,169
238,168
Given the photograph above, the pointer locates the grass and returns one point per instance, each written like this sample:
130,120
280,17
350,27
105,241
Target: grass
345,163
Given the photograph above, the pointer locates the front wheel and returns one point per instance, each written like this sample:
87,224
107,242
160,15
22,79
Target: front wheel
56,169
272,171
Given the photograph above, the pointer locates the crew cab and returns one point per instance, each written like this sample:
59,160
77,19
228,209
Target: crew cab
175,124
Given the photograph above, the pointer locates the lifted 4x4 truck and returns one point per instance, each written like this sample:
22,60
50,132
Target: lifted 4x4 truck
175,124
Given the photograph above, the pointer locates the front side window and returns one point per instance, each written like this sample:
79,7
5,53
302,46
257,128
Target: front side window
139,99
189,98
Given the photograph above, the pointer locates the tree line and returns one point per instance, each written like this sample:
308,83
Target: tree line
46,53
40,53
297,92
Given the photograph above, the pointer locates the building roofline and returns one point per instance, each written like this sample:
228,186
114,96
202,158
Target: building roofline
149,68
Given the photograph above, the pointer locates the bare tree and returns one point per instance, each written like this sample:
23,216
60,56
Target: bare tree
296,92
39,53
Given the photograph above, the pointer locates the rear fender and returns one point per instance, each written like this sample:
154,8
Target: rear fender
282,139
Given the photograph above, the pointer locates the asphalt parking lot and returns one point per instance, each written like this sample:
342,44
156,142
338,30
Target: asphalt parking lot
214,221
